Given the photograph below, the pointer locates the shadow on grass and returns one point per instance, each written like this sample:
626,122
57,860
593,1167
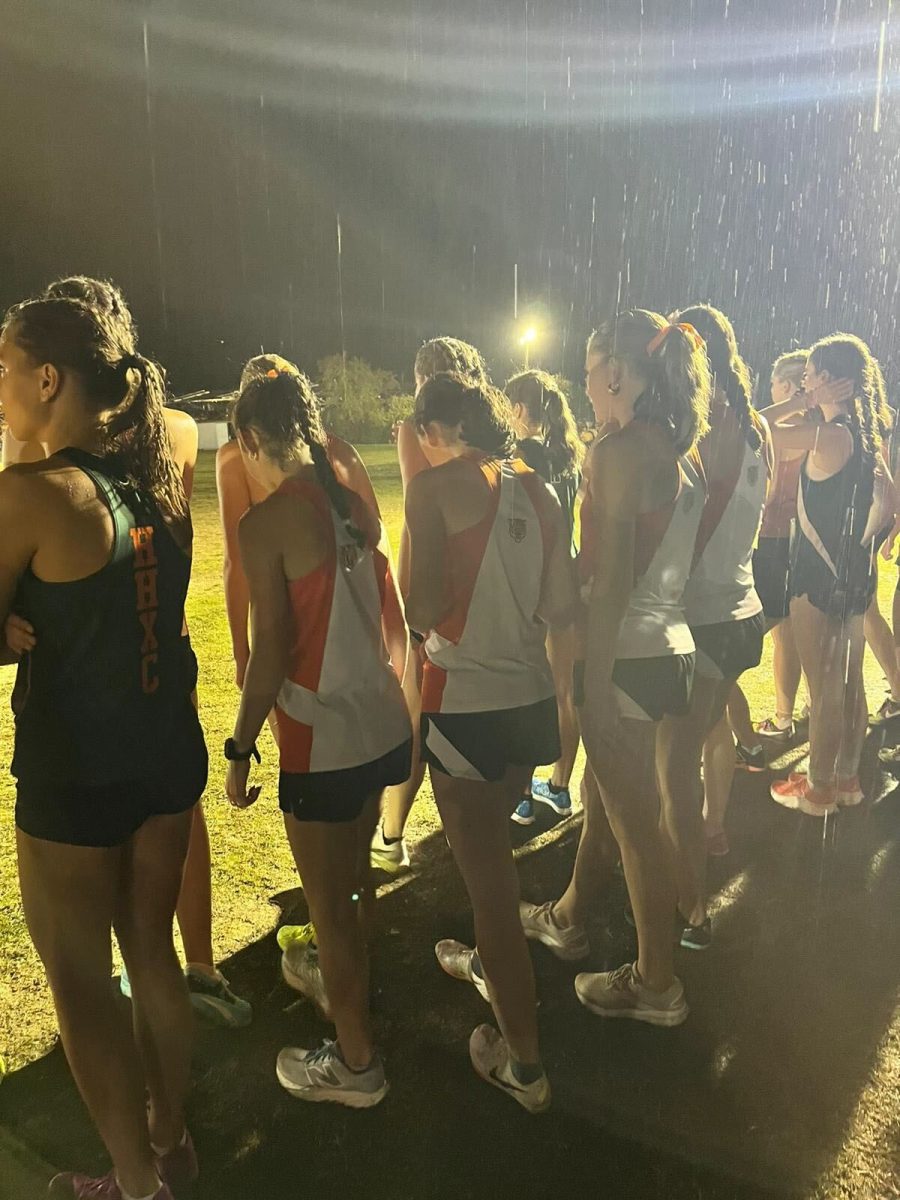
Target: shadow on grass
752,1097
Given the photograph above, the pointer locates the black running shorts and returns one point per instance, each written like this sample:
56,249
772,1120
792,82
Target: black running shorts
482,745
337,796
647,689
728,649
772,576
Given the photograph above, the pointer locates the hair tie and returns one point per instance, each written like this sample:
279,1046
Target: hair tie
272,373
657,340
127,361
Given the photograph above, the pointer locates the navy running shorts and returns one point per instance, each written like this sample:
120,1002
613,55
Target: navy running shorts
338,796
482,745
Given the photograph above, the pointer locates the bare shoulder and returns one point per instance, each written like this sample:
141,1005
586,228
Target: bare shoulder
342,452
178,423
229,464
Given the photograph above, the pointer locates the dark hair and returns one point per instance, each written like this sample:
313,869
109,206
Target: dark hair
101,294
450,355
481,411
729,371
546,404
845,356
87,342
279,404
674,368
791,366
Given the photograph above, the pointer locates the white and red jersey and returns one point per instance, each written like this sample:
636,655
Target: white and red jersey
721,587
340,704
488,652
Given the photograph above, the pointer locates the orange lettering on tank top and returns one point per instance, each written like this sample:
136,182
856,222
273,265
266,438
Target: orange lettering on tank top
147,602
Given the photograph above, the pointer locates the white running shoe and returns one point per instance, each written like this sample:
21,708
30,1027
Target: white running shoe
490,1058
388,856
568,942
621,993
323,1075
458,961
301,971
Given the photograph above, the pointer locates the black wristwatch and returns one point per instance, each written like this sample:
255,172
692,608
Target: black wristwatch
234,755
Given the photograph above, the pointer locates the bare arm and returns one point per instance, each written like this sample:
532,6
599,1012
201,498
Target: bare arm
351,471
410,453
829,445
559,592
263,563
423,555
234,501
17,548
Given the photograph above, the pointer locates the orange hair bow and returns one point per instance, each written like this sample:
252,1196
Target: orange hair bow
657,340
272,374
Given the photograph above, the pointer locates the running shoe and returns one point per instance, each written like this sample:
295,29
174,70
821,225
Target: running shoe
178,1167
849,792
559,799
697,937
889,711
490,1058
389,855
568,942
750,759
214,1001
459,963
717,844
796,792
524,811
85,1187
301,971
773,731
323,1075
125,983
300,935
889,757
621,993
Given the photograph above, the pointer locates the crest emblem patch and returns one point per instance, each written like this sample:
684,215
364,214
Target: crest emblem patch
518,527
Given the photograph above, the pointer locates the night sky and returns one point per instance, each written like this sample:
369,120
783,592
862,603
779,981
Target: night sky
212,155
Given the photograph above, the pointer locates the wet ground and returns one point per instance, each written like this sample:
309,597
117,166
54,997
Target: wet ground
784,1082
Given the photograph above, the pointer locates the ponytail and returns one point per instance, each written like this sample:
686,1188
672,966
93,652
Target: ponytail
729,371
120,386
546,404
281,408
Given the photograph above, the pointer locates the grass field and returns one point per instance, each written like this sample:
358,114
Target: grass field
251,862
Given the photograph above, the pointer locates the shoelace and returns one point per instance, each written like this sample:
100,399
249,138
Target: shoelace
327,1050
622,978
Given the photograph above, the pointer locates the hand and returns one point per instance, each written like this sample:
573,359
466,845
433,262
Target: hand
236,788
19,634
887,550
240,668
836,391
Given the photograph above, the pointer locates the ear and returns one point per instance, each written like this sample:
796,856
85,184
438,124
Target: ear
431,434
248,443
50,382
616,372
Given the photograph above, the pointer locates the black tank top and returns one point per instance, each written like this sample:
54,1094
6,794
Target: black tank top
104,697
533,453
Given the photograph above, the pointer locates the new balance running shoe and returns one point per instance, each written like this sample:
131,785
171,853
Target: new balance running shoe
622,994
322,1075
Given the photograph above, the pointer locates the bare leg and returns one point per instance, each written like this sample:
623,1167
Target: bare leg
718,773
626,773
163,1024
740,720
881,642
398,800
194,910
69,896
679,745
786,665
595,860
476,820
561,652
328,857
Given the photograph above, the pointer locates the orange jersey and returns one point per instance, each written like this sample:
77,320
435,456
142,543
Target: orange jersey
488,652
340,705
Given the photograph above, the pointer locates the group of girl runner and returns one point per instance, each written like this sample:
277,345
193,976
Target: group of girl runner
489,651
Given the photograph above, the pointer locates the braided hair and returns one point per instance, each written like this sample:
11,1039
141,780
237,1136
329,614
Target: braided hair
450,355
125,389
281,408
729,371
672,363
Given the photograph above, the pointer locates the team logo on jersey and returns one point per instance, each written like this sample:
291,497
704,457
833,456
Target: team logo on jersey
752,475
349,556
518,527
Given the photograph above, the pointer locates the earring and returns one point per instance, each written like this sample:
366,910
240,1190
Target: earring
614,389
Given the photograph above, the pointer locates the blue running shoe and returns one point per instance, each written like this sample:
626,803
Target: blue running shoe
560,801
524,814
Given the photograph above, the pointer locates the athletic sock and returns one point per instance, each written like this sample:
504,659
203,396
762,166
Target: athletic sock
128,1196
525,1073
389,841
355,1070
556,790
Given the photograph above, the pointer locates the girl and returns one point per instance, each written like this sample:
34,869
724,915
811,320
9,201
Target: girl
549,444
109,754
724,613
644,504
486,567
844,500
210,992
323,608
389,850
